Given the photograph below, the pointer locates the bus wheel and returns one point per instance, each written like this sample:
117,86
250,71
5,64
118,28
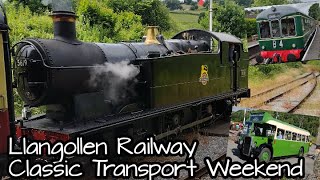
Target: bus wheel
301,152
265,155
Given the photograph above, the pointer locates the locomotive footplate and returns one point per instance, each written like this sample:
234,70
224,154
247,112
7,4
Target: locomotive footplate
74,128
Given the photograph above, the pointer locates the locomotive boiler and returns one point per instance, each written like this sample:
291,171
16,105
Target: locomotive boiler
178,83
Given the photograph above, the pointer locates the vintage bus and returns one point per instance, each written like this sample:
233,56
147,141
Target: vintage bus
265,137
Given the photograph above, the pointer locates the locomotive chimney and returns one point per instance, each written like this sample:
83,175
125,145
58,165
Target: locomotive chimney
64,24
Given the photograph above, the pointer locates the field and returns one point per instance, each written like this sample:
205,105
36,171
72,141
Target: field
182,20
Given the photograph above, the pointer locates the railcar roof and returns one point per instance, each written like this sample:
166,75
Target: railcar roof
280,12
223,37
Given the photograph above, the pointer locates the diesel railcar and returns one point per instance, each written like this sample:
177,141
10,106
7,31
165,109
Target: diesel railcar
284,33
181,82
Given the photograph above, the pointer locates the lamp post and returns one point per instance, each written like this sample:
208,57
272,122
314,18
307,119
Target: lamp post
210,16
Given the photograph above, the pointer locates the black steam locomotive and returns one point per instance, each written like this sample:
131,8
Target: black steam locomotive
153,87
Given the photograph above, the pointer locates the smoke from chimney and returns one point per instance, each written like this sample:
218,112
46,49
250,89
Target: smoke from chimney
115,79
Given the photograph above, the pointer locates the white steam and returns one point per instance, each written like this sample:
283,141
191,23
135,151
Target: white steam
115,79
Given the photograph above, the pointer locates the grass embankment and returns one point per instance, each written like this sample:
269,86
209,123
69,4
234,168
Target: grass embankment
182,20
272,75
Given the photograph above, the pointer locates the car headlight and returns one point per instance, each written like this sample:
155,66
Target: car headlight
254,144
294,45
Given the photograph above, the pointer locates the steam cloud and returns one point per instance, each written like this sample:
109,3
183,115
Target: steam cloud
115,78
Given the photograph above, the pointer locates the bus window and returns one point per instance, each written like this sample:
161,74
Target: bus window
294,136
275,28
288,27
264,29
298,137
280,134
307,139
288,135
262,129
303,138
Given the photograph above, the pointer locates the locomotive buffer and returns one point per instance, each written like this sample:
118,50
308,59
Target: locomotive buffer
313,51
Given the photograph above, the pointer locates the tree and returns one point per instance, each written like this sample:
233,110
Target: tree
110,26
188,2
228,18
269,2
35,6
194,6
173,4
251,26
314,11
244,3
152,12
202,15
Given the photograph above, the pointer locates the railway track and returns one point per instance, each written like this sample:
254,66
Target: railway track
212,145
286,97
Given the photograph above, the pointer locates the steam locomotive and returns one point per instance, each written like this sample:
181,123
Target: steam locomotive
192,78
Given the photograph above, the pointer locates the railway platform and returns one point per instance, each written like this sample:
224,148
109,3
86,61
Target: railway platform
313,51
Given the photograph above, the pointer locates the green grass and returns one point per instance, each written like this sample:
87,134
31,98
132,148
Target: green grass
182,20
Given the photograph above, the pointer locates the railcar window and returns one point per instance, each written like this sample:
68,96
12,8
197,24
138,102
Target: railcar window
303,138
264,29
275,28
288,135
288,27
306,24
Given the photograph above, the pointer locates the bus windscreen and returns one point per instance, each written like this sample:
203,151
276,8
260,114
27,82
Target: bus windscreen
256,117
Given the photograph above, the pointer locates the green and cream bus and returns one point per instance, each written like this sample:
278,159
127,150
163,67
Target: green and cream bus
267,137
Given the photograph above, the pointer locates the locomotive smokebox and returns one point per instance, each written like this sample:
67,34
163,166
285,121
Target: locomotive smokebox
64,24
